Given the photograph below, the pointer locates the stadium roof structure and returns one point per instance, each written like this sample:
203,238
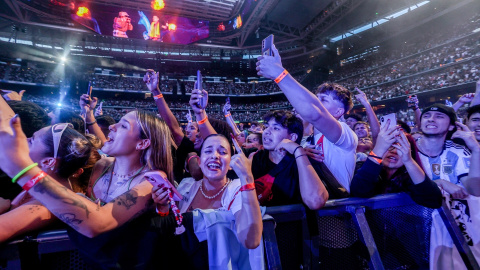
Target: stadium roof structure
303,29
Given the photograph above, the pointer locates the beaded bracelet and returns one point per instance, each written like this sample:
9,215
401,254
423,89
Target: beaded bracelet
281,76
34,180
22,172
163,214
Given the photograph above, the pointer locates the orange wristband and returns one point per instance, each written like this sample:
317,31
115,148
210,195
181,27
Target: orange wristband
375,157
201,122
158,96
281,76
227,115
246,187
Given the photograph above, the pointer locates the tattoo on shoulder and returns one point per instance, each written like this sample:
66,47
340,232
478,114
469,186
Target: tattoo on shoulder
70,219
59,192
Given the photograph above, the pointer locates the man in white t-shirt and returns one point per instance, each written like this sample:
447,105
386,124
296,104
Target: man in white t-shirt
456,170
335,141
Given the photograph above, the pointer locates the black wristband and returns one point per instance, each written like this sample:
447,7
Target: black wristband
91,123
375,156
301,156
296,149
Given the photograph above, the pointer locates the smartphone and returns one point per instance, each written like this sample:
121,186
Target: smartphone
392,117
267,45
100,106
199,85
90,88
156,179
228,100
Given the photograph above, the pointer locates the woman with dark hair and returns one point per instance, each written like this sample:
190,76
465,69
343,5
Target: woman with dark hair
236,199
64,154
393,166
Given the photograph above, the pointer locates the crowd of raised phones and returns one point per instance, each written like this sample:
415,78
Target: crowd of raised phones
132,185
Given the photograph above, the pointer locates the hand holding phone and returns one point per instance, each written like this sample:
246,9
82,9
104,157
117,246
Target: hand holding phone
392,117
267,45
156,179
90,88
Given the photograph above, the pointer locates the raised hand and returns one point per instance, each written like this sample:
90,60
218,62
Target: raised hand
286,145
361,96
196,100
189,116
468,136
13,142
151,81
386,137
242,165
12,95
226,108
467,98
270,66
87,103
403,148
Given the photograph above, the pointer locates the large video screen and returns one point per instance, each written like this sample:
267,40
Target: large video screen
148,25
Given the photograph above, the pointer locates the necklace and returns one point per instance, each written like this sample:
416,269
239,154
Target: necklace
420,146
124,175
218,193
111,178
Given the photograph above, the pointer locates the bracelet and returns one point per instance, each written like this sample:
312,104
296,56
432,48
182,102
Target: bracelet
246,187
163,214
281,76
227,115
158,96
22,172
201,122
301,156
91,123
296,149
32,182
188,160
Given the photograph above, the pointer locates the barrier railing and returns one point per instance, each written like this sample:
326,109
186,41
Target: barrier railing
385,232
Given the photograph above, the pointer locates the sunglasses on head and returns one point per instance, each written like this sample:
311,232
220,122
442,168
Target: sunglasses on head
57,131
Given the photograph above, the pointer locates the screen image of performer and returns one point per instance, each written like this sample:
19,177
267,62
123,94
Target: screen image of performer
122,24
156,27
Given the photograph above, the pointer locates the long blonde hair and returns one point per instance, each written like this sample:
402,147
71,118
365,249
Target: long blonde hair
158,156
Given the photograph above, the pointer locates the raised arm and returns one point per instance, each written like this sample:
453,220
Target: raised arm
372,117
204,125
88,104
248,220
304,102
151,80
472,181
229,118
476,99
313,192
466,98
76,211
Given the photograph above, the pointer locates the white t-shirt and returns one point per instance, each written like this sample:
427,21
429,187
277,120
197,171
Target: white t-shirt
189,188
340,156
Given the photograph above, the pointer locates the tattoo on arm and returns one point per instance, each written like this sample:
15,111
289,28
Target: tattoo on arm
128,200
70,219
59,192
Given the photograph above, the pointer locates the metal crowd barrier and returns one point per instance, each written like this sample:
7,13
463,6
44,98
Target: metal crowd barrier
385,232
